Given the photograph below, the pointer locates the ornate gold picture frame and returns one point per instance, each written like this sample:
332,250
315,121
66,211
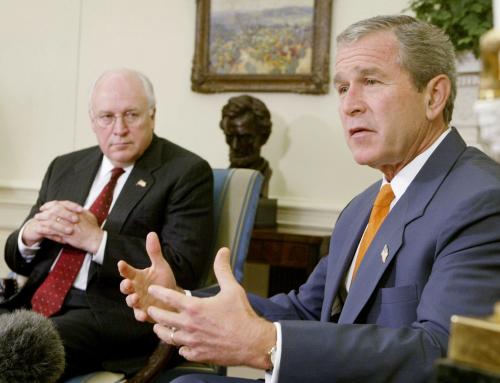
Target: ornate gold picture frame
262,46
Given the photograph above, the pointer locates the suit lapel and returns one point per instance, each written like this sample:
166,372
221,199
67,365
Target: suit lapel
337,271
84,171
390,235
139,182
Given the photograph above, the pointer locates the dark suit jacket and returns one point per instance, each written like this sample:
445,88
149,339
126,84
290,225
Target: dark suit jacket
175,201
443,240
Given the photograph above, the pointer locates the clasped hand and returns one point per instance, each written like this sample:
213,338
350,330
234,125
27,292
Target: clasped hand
64,222
223,329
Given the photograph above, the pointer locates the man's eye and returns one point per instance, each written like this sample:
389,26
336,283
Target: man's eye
342,89
131,117
371,81
107,118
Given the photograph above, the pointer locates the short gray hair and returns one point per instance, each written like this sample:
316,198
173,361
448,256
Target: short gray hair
425,51
146,83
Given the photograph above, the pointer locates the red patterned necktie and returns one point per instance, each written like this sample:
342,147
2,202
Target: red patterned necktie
49,297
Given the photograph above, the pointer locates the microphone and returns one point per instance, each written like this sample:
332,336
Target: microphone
31,349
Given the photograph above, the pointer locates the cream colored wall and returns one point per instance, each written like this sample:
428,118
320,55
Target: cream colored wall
52,50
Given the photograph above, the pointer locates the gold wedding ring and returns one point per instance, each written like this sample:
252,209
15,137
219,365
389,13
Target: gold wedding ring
172,341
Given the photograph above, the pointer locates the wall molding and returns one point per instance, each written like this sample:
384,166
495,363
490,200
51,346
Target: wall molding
15,204
304,214
300,214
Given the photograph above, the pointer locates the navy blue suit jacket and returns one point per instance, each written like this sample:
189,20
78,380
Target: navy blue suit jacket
443,241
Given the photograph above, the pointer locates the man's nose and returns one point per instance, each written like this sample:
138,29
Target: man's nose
120,127
352,101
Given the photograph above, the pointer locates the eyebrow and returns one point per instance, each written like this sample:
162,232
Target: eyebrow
362,72
127,110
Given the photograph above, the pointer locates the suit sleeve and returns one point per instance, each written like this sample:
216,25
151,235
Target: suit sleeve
463,279
305,304
13,257
184,225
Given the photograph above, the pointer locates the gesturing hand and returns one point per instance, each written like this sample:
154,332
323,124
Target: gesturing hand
137,282
223,329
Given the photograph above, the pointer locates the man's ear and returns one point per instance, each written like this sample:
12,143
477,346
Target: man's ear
438,91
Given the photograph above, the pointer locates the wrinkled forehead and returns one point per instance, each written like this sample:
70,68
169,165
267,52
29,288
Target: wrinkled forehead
376,50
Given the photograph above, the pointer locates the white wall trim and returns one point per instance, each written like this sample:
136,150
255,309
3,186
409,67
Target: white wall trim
7,186
16,201
307,215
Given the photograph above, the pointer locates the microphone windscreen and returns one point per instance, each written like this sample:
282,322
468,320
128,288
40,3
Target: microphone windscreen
31,349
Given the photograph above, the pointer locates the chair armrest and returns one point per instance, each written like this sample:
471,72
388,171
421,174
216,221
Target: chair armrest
8,287
158,361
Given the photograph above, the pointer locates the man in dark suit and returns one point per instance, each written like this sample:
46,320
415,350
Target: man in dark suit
405,255
162,188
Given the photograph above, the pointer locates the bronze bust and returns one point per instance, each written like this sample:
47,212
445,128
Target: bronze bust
246,123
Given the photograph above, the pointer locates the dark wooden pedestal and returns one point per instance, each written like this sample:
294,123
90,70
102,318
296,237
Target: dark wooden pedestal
448,371
291,254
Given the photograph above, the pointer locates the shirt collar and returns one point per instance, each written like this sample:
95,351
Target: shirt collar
405,176
107,166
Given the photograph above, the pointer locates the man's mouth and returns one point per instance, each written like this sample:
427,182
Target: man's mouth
353,132
120,144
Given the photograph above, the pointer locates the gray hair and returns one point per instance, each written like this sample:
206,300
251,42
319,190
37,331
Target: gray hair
146,83
425,51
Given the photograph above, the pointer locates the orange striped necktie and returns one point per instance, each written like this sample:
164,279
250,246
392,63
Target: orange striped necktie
379,211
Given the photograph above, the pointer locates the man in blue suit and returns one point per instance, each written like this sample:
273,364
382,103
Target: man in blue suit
436,254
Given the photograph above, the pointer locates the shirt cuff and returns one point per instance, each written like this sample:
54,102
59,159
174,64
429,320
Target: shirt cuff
27,252
98,257
272,376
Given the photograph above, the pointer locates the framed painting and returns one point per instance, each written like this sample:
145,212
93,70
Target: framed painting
262,46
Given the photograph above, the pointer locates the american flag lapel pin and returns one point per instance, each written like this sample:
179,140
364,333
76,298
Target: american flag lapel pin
141,183
385,253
